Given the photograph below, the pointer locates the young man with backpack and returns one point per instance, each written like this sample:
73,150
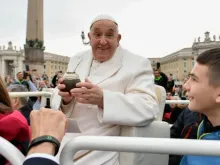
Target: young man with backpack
203,90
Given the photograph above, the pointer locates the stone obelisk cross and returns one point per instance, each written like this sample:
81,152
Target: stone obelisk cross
34,46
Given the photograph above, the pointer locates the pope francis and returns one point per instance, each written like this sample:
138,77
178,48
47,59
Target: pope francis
116,88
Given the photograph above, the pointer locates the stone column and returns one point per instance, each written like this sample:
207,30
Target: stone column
34,47
3,68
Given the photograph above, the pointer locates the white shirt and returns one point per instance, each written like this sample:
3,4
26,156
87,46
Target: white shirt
95,65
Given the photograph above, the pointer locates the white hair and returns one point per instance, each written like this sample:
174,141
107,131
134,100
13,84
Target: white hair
19,88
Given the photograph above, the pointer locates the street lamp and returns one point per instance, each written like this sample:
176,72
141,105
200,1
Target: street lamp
83,38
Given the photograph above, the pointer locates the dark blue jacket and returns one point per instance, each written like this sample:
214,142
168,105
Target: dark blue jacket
185,127
203,160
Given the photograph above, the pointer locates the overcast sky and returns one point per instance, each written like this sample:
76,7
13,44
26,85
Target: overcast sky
151,28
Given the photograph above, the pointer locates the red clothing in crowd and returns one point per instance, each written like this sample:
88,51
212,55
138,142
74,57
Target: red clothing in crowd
14,126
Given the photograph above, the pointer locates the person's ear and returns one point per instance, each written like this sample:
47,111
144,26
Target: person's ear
17,101
218,96
119,38
14,102
89,36
218,99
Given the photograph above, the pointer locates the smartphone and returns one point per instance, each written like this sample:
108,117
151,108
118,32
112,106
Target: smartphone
27,68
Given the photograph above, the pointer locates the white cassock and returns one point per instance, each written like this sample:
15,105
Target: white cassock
129,99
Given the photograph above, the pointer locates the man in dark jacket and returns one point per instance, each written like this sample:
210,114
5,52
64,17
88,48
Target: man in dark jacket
170,83
160,78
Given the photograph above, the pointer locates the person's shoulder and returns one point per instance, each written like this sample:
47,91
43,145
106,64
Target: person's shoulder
191,115
135,59
128,54
18,125
80,54
24,82
16,82
16,117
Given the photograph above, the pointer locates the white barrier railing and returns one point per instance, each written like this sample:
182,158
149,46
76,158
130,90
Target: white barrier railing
10,152
27,94
135,144
48,94
177,101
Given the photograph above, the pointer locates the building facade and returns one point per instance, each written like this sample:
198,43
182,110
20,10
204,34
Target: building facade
12,62
180,63
54,63
154,62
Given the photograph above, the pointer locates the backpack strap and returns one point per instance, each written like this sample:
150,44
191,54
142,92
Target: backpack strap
200,129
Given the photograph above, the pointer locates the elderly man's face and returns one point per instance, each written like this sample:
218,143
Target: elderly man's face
104,39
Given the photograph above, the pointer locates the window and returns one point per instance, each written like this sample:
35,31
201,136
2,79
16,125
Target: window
184,64
193,63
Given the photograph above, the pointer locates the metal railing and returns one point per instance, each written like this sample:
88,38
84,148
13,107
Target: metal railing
177,101
48,94
139,145
27,94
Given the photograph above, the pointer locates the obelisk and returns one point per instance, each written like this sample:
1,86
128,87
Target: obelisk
34,46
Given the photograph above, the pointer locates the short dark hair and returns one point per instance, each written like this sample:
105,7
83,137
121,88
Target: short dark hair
18,73
211,58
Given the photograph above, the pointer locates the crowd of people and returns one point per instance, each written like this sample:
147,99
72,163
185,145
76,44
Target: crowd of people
116,88
173,92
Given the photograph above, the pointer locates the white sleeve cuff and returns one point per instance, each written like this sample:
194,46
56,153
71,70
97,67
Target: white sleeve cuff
40,155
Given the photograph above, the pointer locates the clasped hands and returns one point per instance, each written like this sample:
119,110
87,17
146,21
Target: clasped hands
85,93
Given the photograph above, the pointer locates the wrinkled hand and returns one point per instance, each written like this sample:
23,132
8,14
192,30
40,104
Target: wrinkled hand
48,122
66,96
88,93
